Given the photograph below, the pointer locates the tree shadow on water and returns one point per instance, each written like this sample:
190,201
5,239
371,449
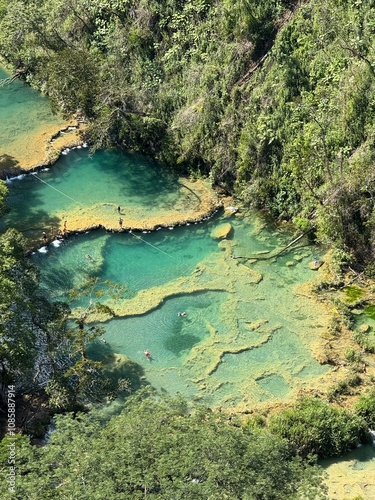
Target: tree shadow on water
124,374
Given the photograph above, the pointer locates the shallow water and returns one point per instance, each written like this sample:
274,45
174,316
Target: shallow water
26,121
90,188
352,476
241,341
249,331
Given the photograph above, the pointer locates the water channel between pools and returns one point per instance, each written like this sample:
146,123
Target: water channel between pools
249,331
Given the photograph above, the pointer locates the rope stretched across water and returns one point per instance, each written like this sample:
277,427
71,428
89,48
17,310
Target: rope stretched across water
153,246
135,236
49,185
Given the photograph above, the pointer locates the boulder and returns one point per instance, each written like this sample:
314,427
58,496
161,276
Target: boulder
221,232
364,328
315,264
231,210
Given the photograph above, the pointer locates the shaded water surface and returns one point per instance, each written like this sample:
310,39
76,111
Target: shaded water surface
85,190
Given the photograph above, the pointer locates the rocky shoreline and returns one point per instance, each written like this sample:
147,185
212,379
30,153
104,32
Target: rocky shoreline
47,153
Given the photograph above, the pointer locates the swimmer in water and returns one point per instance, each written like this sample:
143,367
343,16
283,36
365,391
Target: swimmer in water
183,313
88,257
148,355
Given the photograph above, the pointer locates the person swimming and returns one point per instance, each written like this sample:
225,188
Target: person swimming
183,313
148,355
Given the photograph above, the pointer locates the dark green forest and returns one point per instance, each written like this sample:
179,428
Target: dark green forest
163,449
273,101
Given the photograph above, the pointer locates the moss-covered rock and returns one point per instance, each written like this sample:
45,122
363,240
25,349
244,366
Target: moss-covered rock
222,231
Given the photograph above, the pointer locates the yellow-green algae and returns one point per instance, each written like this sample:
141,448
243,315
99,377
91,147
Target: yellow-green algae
196,201
220,272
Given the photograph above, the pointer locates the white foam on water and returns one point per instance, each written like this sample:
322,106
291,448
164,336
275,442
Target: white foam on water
8,180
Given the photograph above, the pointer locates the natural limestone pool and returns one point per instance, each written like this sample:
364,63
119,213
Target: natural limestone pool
27,123
250,331
84,192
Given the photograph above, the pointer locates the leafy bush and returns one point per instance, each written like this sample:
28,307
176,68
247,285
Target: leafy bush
353,356
160,450
344,387
366,340
365,408
313,426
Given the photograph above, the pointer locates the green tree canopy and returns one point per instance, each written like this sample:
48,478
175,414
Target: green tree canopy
161,450
313,426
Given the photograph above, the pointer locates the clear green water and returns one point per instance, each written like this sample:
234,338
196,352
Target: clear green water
124,258
248,332
276,356
80,182
24,112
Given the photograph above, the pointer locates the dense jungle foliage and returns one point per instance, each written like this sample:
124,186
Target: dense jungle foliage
273,99
161,450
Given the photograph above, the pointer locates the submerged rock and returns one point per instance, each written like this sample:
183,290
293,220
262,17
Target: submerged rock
315,265
221,232
364,328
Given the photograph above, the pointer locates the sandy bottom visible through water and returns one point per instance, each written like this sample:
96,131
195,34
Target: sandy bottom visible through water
353,476
38,148
347,478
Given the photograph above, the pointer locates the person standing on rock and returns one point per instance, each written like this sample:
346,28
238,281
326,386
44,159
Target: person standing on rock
120,222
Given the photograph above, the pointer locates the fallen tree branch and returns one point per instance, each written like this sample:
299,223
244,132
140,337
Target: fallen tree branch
273,255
